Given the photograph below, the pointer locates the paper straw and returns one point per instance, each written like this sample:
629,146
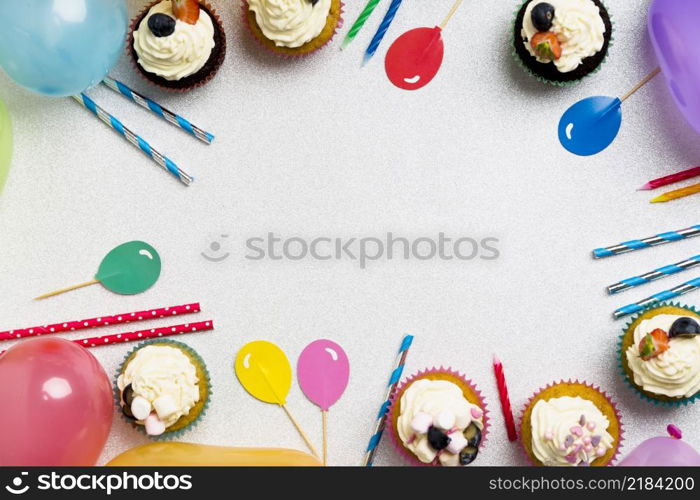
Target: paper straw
654,275
165,331
164,162
158,110
361,20
506,408
671,179
116,319
659,297
381,31
381,416
677,194
652,241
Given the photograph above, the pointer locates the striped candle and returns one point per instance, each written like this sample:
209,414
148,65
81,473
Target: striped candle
652,241
659,273
671,179
658,297
381,31
381,416
361,20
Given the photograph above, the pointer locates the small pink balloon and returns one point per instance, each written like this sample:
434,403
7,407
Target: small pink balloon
57,405
323,371
663,451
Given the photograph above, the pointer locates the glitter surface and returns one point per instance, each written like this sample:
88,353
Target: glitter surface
320,147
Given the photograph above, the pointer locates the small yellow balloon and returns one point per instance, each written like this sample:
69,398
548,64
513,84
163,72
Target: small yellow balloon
264,371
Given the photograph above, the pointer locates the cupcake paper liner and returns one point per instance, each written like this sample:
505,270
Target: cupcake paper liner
289,53
620,353
520,62
391,429
167,435
218,28
618,416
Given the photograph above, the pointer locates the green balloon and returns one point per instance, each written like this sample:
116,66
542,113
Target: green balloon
5,143
130,268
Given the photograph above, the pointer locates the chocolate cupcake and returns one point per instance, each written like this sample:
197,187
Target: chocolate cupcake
177,44
561,41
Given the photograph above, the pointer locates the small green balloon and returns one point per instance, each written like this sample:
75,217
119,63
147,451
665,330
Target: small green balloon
5,143
130,268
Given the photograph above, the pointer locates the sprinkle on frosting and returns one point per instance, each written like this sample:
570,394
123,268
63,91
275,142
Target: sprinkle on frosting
290,23
577,25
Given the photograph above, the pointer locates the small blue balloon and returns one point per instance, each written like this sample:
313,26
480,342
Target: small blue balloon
61,47
590,125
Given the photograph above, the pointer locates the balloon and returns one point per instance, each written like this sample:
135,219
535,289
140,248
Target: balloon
323,371
5,144
415,57
61,47
130,268
57,407
662,452
590,125
264,371
673,26
170,454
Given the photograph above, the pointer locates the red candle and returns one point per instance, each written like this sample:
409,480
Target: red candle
505,399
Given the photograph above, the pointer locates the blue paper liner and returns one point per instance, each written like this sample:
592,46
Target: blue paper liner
167,435
662,402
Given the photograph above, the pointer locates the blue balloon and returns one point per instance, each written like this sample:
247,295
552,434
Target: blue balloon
590,125
61,47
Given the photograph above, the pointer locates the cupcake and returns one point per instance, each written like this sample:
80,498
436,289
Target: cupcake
561,41
177,44
570,424
163,387
437,417
660,354
293,27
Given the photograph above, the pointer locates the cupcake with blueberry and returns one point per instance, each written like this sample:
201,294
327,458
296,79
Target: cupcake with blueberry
660,354
571,424
561,41
163,388
178,44
293,27
437,417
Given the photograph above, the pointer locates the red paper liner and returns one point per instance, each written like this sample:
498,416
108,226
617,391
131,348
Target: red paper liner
211,67
287,52
613,405
442,373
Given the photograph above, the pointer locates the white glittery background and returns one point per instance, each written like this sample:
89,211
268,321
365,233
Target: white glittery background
321,147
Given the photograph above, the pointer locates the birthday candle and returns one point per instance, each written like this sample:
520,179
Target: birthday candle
671,179
505,399
361,20
678,193
381,31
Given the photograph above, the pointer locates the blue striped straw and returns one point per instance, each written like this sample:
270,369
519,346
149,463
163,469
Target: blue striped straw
652,241
381,31
158,110
658,297
381,416
654,275
163,161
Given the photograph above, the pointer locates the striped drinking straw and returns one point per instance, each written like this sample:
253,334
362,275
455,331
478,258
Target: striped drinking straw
658,297
381,416
654,275
652,241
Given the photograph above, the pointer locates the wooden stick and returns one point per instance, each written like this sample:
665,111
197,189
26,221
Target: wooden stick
300,431
67,289
324,421
450,14
641,84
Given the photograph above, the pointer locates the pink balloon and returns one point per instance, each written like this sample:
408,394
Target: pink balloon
662,452
323,371
57,404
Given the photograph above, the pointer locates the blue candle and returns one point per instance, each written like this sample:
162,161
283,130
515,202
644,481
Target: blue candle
381,31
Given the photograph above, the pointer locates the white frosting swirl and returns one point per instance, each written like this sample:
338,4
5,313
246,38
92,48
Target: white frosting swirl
434,397
290,23
180,54
578,26
555,427
160,370
674,373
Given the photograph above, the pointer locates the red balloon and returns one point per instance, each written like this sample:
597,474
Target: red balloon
414,58
57,404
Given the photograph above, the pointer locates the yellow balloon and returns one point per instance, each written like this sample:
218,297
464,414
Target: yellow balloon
264,371
5,143
171,454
